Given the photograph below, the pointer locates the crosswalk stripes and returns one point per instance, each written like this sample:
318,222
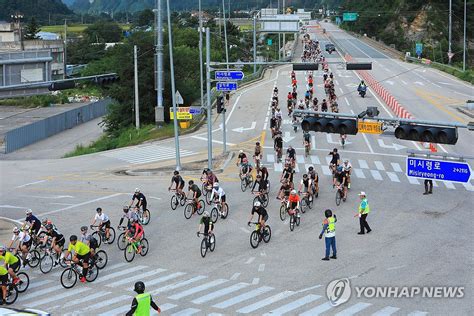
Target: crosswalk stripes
392,176
110,276
187,312
318,310
243,297
220,293
353,309
178,285
197,289
165,278
363,164
396,167
262,303
376,175
109,302
413,180
293,305
85,299
136,277
62,295
145,154
359,173
386,311
379,165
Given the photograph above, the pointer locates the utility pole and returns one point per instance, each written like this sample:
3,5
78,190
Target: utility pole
464,39
254,43
159,110
450,31
173,89
65,48
284,35
201,70
224,145
135,75
209,106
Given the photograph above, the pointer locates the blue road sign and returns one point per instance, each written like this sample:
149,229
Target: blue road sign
229,75
419,48
438,170
194,110
226,86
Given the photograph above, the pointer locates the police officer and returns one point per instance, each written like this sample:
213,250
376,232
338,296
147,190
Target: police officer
364,210
329,227
142,302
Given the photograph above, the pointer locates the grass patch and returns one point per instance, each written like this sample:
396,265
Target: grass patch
75,28
35,101
467,75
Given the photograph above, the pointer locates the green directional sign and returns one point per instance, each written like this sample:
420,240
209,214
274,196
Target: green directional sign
349,16
269,42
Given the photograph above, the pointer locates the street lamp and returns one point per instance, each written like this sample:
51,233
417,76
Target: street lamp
17,17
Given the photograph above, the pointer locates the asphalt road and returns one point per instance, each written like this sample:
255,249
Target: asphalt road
417,240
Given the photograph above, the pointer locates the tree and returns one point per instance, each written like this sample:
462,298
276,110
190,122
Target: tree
31,30
103,32
145,18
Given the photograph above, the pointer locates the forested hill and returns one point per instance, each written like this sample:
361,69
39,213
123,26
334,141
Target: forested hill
40,9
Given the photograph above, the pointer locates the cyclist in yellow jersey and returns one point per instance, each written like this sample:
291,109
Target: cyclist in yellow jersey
10,262
142,302
81,252
3,282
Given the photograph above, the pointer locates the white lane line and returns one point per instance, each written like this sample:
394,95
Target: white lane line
318,310
340,89
353,309
315,160
31,183
379,165
63,295
387,311
363,164
404,82
359,173
197,289
326,170
187,312
213,140
136,277
250,260
449,185
293,305
116,311
38,284
393,176
269,300
243,297
336,82
396,167
313,142
178,285
264,127
29,296
235,276
376,175
106,303
261,267
220,293
91,297
397,267
417,313
255,281
270,158
413,180
108,277
468,186
164,278
347,101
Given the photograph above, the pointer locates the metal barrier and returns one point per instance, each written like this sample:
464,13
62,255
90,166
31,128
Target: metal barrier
31,133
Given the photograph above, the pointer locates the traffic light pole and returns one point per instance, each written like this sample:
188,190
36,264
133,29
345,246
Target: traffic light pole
209,105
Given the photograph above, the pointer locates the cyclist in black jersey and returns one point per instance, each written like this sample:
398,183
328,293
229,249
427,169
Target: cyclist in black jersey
207,223
261,212
195,192
285,190
178,181
141,199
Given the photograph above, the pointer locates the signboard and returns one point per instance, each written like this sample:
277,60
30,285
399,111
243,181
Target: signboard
179,98
31,75
226,86
281,23
349,16
438,170
183,113
419,49
195,110
229,75
368,127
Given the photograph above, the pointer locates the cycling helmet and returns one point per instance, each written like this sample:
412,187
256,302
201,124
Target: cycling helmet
29,211
305,176
176,172
216,184
137,190
293,192
98,210
339,169
206,214
191,182
84,229
15,230
259,176
310,168
346,161
126,208
241,151
257,143
139,287
49,226
3,248
328,213
335,150
257,204
73,238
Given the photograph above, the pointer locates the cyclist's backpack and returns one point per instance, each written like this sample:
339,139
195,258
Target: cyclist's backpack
93,243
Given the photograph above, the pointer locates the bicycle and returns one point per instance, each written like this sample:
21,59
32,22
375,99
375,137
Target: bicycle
343,140
260,234
33,261
262,197
294,218
191,208
208,242
339,195
257,159
284,208
70,275
279,154
143,215
122,238
306,201
219,211
24,282
99,259
307,148
177,199
132,248
245,181
12,293
48,260
101,236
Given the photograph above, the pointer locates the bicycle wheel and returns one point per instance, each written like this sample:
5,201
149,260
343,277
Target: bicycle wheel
129,253
298,220
267,234
101,259
338,197
46,263
188,211
225,211
310,202
203,247
121,241
265,199
254,239
68,278
24,282
243,185
201,209
97,237
12,294
35,258
212,242
144,247
255,199
292,222
111,238
62,261
174,202
283,212
208,199
145,218
92,273
214,214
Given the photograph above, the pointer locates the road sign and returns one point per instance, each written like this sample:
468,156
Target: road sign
369,127
349,16
195,110
226,86
450,55
269,42
179,98
183,113
419,48
438,170
229,75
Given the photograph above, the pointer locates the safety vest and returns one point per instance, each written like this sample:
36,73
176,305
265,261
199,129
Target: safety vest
144,302
367,208
331,225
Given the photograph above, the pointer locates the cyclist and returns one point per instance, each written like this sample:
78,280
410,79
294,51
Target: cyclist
315,179
293,204
287,174
142,302
264,173
324,106
262,186
103,220
291,154
33,222
207,223
240,158
347,169
3,282
315,104
129,215
11,263
218,193
135,233
335,160
57,241
90,241
196,193
211,179
273,125
306,186
278,145
24,243
178,181
341,178
141,199
261,212
306,139
285,190
81,253
246,168
257,156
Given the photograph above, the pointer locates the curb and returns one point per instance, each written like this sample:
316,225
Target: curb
465,111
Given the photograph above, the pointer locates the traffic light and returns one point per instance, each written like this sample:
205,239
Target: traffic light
62,85
305,66
220,104
427,133
330,125
106,79
358,66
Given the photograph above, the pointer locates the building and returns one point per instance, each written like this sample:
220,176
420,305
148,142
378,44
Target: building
8,32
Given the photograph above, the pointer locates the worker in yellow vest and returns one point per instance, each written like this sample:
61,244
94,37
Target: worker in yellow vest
329,228
142,302
364,210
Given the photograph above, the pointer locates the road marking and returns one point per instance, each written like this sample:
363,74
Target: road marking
270,158
397,267
326,170
119,273
396,167
261,267
376,175
449,185
299,159
363,164
38,284
62,204
235,276
245,230
107,303
353,309
116,311
347,101
187,312
15,207
468,186
278,167
309,288
269,300
379,165
263,254
197,289
359,173
313,142
62,295
164,278
387,311
136,277
318,310
94,296
417,313
250,260
243,297
44,291
213,140
413,180
328,159
255,281
31,183
393,176
165,307
213,295
294,305
178,285
404,82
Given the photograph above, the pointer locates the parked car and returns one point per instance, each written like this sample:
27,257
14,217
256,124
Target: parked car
330,48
